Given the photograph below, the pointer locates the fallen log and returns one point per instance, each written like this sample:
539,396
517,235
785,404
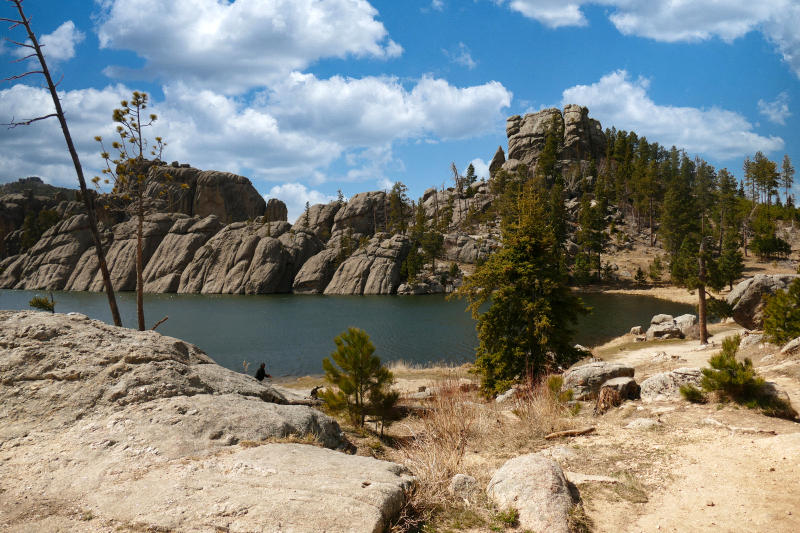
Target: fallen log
569,433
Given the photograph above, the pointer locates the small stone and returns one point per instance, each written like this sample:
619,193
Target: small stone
709,504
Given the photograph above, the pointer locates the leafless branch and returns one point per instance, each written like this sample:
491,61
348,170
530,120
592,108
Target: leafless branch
22,75
24,58
12,124
19,44
159,323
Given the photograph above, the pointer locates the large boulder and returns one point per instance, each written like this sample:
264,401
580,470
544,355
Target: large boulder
316,273
663,327
373,268
536,487
747,298
146,431
580,137
276,211
319,220
585,381
665,387
360,217
686,323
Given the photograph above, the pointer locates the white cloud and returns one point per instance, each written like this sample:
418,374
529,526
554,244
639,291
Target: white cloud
231,47
58,46
461,57
776,111
718,133
295,196
681,20
481,169
292,133
438,5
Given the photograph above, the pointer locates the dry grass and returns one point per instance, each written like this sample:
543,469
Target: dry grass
462,433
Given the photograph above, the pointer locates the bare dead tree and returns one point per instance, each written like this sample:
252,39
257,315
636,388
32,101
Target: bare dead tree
87,198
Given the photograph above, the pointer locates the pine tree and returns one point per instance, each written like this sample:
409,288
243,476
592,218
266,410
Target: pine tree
527,328
731,261
361,379
787,175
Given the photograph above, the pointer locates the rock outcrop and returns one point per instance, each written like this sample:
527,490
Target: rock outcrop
229,197
580,137
360,217
497,161
747,298
536,487
373,268
146,431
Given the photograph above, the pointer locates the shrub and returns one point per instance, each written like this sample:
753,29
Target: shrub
782,314
362,381
692,394
738,381
43,304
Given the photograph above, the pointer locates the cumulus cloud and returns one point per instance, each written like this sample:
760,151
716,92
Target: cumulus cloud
295,196
438,5
776,111
291,133
462,56
231,47
481,168
58,46
715,132
681,21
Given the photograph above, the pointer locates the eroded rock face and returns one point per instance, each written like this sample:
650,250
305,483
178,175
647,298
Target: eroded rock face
497,161
747,298
316,273
276,211
249,259
372,269
177,250
536,487
585,381
49,264
360,217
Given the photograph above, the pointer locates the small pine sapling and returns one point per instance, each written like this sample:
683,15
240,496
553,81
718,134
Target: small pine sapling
43,304
362,381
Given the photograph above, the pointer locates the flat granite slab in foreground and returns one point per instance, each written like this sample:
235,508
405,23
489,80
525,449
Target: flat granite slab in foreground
109,429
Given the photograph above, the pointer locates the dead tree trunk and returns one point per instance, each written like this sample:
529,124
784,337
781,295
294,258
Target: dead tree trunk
87,200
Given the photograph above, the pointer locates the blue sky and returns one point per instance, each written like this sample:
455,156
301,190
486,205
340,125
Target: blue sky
305,97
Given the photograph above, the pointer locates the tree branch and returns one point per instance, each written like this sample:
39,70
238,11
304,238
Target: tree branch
159,323
13,124
22,75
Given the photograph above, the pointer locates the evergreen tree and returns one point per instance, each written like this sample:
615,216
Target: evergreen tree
361,379
782,314
590,234
731,261
527,328
787,175
679,218
548,158
471,177
398,208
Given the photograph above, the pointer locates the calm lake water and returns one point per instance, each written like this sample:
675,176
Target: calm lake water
292,333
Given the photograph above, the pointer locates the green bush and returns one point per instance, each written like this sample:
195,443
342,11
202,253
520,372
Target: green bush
692,394
362,381
43,304
738,381
782,314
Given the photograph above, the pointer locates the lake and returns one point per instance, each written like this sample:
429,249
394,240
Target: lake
293,333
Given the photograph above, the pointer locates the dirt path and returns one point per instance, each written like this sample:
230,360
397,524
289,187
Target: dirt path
705,467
